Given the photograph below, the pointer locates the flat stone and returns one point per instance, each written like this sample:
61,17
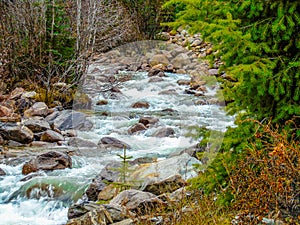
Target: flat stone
38,109
81,143
37,125
113,142
137,128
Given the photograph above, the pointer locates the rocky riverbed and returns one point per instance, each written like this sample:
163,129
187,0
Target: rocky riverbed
144,97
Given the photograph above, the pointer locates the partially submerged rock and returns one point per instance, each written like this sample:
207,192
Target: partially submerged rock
113,142
52,160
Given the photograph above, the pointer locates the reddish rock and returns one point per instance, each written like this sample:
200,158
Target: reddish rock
148,120
16,93
141,105
4,111
102,102
136,128
38,109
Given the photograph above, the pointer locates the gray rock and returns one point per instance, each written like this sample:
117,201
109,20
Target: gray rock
196,42
2,172
164,186
158,171
113,142
38,109
97,216
68,119
28,94
155,79
155,72
213,71
137,128
81,143
52,160
107,175
51,136
164,132
12,143
168,92
116,212
16,132
181,60
37,125
137,201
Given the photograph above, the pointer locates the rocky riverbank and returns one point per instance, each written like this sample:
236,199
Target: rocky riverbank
26,122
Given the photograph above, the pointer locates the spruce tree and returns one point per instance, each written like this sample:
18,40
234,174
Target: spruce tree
259,43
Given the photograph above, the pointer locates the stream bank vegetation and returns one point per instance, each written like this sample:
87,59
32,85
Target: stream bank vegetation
255,176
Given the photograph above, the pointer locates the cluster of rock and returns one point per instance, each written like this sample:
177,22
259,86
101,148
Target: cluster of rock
24,122
154,186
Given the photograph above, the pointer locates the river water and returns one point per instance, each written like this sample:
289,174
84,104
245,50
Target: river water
45,199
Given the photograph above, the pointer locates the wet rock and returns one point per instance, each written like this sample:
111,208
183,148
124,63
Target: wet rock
168,92
183,82
51,136
156,72
37,125
141,105
136,128
155,79
189,92
69,119
5,112
159,59
38,109
16,132
164,132
165,186
108,174
137,201
113,142
2,172
192,151
81,143
97,216
102,102
146,120
52,160
16,93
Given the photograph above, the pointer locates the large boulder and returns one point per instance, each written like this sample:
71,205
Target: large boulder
69,119
159,59
52,160
51,136
164,186
38,109
179,165
137,201
16,132
181,60
112,142
164,132
37,125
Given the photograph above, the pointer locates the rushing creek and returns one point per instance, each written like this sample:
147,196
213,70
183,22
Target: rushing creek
19,203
